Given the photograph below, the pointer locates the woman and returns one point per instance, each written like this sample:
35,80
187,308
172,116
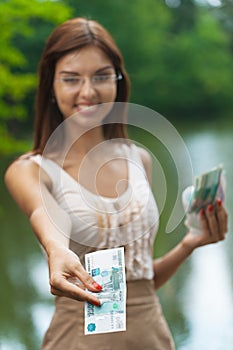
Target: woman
109,204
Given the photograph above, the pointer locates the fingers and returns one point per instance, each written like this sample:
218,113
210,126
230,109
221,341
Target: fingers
214,221
86,279
222,218
69,278
70,288
204,222
214,231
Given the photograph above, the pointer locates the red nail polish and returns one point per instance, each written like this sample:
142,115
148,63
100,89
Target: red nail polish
96,303
210,208
202,212
96,286
219,202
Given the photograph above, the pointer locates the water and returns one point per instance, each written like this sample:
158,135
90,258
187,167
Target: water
197,301
208,290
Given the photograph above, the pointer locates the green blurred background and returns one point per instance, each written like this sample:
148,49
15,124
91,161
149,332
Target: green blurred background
178,54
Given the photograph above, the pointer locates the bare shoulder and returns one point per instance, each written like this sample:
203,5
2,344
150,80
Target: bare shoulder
25,182
147,161
145,156
22,170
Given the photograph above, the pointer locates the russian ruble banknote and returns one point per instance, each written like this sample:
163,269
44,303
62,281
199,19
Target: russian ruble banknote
207,187
107,267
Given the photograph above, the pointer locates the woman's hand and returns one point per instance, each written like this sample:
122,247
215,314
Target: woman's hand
68,277
213,221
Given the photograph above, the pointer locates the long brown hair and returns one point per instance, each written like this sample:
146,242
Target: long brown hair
73,35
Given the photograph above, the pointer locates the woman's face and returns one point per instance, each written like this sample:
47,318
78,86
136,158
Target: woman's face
83,80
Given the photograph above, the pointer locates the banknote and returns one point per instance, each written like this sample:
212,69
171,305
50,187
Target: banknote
107,267
207,187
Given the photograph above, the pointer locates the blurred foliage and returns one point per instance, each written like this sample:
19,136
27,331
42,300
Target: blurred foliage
22,23
179,57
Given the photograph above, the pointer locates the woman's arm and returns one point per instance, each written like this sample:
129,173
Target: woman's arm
30,189
214,228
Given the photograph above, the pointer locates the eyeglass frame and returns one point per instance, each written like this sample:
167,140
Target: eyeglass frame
80,79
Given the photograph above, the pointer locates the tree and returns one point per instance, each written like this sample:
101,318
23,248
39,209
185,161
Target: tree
179,59
21,21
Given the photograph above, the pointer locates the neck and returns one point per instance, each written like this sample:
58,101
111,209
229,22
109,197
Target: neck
85,141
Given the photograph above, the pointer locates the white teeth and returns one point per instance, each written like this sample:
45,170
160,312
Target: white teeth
85,107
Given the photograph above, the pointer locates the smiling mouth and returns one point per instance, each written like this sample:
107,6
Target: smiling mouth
86,109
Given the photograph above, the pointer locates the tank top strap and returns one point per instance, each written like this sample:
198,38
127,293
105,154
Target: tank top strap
136,167
136,155
50,167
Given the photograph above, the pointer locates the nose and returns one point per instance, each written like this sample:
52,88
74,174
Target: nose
87,90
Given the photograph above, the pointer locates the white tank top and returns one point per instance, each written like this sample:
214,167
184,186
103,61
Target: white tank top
97,222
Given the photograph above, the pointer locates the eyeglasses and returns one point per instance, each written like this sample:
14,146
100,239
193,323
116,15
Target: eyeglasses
72,82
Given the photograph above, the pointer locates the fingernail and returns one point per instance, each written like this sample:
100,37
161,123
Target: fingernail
219,202
210,208
202,212
96,303
96,286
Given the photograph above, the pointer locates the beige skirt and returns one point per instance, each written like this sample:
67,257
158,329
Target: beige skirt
146,327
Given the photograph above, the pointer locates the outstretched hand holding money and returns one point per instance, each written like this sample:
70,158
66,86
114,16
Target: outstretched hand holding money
206,217
69,278
213,221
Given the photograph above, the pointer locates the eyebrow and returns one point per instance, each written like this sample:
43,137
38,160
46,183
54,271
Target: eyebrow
96,72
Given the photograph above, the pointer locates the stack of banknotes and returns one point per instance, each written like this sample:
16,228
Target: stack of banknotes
206,189
107,267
